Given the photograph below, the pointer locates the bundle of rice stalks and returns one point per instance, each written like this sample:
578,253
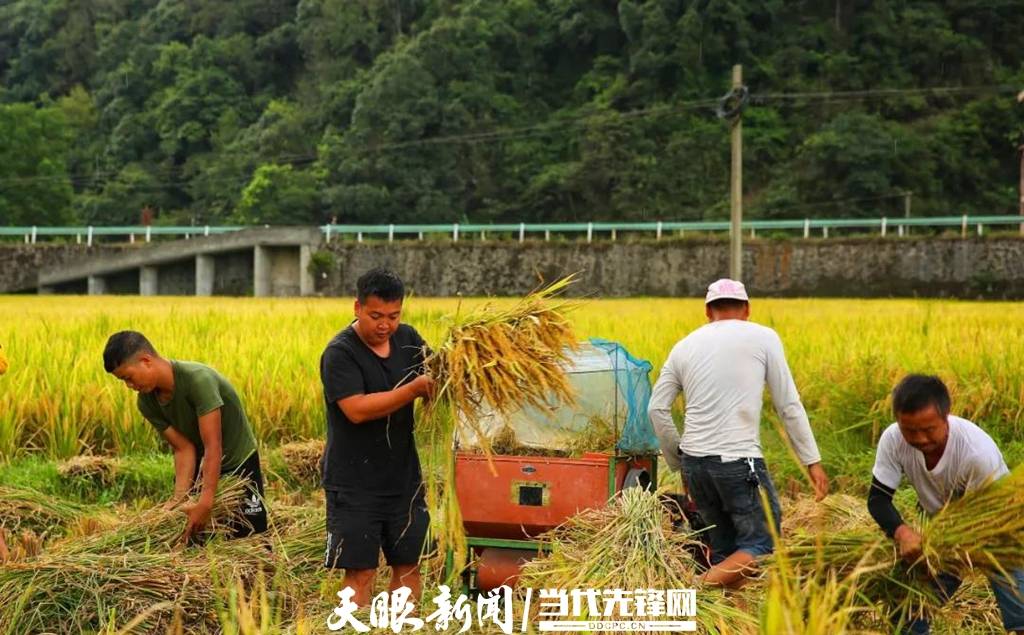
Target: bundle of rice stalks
23,508
883,575
79,592
983,531
629,544
861,555
972,609
78,584
27,544
162,529
838,512
92,469
838,550
804,598
301,460
298,535
504,359
84,592
812,603
492,360
598,436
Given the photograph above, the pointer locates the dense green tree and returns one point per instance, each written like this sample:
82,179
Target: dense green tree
34,185
278,195
300,111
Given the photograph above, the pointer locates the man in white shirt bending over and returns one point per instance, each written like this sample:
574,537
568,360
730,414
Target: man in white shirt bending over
943,457
721,369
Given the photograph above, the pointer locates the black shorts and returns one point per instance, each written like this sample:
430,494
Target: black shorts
358,531
254,509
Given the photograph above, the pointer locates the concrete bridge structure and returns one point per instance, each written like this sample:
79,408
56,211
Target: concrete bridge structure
259,262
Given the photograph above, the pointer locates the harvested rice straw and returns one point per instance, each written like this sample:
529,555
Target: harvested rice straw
27,544
302,460
982,531
825,602
27,508
883,580
158,528
83,592
98,470
599,436
837,512
628,545
298,537
813,600
972,609
502,360
77,582
446,528
75,592
839,550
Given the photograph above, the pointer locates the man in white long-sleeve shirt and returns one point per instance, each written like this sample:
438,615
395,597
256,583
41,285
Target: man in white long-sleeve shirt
721,369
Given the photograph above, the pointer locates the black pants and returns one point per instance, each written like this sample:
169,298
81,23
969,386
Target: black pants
253,513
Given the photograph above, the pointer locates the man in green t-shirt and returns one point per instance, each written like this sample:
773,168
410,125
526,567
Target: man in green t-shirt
200,415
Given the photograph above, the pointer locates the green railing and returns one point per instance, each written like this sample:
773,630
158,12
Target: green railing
808,227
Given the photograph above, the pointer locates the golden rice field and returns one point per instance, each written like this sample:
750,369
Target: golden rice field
56,402
845,354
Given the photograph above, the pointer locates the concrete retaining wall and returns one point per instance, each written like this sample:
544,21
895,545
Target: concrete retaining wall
991,267
870,267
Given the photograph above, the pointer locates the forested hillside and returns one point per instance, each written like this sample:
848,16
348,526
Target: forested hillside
285,112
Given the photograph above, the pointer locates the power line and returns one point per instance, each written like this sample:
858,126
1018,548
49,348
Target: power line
883,93
557,125
612,119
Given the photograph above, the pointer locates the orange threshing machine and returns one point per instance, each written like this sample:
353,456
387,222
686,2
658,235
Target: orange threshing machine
547,469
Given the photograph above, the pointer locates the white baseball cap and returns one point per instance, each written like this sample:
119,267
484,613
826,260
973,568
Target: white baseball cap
726,289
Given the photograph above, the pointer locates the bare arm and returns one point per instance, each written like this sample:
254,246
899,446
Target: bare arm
213,452
363,408
184,463
210,432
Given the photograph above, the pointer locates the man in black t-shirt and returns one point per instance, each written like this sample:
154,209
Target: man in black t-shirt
372,373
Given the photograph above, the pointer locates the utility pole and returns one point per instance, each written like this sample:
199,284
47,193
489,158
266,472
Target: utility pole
1020,100
907,194
1021,148
736,183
